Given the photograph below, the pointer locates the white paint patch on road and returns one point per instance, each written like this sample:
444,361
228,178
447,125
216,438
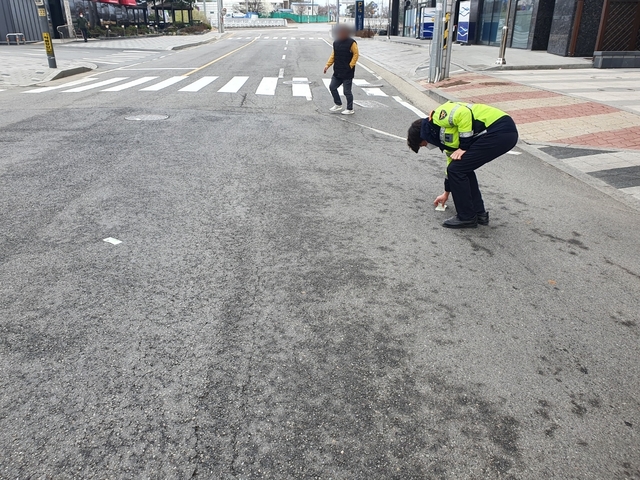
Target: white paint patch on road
285,48
100,61
283,57
281,73
133,83
285,38
374,92
302,88
380,131
287,42
513,152
65,85
266,38
327,82
293,38
95,85
267,86
233,85
198,84
164,84
112,241
275,38
415,110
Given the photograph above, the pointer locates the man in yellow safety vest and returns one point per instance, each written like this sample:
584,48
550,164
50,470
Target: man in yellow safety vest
470,135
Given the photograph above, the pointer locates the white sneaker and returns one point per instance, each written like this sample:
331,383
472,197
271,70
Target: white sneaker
335,108
348,112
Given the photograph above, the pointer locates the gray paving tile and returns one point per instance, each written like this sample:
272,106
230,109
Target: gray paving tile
620,177
566,152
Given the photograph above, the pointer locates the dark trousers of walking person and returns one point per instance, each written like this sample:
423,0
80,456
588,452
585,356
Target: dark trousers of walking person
85,33
501,137
346,86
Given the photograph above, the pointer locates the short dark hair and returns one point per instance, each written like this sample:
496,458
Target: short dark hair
413,135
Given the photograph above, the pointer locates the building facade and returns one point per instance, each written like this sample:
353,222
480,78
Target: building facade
561,27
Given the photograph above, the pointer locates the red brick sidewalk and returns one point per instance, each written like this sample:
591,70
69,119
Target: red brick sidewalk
543,116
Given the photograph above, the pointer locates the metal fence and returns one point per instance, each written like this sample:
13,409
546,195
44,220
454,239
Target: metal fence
301,18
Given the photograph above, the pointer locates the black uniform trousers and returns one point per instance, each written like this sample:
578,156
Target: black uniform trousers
346,86
501,137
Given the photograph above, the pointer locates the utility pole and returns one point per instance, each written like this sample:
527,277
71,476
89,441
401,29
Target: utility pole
220,17
338,12
46,35
204,8
505,34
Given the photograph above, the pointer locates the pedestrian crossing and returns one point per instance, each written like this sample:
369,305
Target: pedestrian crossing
262,86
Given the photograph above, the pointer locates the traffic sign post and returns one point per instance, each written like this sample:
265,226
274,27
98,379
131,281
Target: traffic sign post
46,34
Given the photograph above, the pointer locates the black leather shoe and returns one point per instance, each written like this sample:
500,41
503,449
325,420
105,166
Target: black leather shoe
483,218
455,222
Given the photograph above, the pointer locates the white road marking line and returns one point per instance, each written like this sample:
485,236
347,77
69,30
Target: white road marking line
415,110
287,42
301,89
233,85
360,82
275,38
284,56
112,241
127,69
248,38
293,38
95,85
65,85
374,92
2,89
301,38
101,61
285,48
512,152
140,51
266,38
327,82
198,84
130,84
267,86
379,131
284,38
163,84
366,68
281,73
310,38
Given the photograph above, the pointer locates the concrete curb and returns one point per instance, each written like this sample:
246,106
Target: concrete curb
70,71
197,44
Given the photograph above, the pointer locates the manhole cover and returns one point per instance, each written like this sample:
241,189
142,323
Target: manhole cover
146,118
369,104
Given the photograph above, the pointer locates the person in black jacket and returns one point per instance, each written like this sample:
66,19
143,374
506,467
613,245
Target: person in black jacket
343,58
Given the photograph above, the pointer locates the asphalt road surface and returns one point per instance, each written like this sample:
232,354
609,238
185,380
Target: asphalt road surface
284,303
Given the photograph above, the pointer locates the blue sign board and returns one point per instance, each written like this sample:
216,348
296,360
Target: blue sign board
463,22
359,15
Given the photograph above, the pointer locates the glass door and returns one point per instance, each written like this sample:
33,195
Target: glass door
492,21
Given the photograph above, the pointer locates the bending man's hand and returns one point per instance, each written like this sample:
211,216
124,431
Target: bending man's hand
441,199
457,155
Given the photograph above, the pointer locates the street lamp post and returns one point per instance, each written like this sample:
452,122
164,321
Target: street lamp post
505,34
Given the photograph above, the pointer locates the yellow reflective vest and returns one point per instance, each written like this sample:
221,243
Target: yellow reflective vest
460,122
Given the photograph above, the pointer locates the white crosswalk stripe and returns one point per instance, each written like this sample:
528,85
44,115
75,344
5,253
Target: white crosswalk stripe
132,83
103,83
301,87
267,86
164,84
198,84
65,85
233,85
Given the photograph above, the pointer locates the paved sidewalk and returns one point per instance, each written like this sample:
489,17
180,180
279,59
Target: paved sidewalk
17,69
483,57
166,42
